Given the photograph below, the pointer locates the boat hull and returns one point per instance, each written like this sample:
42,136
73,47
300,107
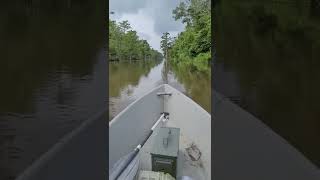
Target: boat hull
131,126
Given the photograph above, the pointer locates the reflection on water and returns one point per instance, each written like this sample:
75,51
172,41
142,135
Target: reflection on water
197,86
52,74
129,81
269,53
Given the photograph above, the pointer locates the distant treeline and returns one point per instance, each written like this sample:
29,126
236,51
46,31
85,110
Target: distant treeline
124,44
192,47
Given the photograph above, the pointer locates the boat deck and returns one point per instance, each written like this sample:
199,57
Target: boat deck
185,165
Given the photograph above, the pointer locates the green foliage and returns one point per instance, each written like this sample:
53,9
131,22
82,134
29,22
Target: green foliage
200,62
124,26
193,46
124,44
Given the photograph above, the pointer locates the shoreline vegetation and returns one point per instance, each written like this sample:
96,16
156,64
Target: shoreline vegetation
192,47
125,45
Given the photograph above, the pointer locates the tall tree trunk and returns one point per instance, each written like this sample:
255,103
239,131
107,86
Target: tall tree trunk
167,53
166,57
119,45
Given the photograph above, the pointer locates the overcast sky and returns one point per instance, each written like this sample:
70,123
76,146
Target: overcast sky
150,18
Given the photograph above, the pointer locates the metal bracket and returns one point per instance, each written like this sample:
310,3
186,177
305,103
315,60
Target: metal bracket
166,114
163,93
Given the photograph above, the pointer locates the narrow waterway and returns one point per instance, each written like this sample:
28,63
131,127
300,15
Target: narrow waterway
129,81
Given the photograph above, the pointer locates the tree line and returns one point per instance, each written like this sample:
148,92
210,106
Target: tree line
124,44
191,47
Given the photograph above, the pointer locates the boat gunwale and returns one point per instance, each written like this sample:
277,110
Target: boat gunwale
47,156
192,101
149,92
261,124
131,104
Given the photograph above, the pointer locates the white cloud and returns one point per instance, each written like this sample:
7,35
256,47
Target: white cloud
144,25
150,18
